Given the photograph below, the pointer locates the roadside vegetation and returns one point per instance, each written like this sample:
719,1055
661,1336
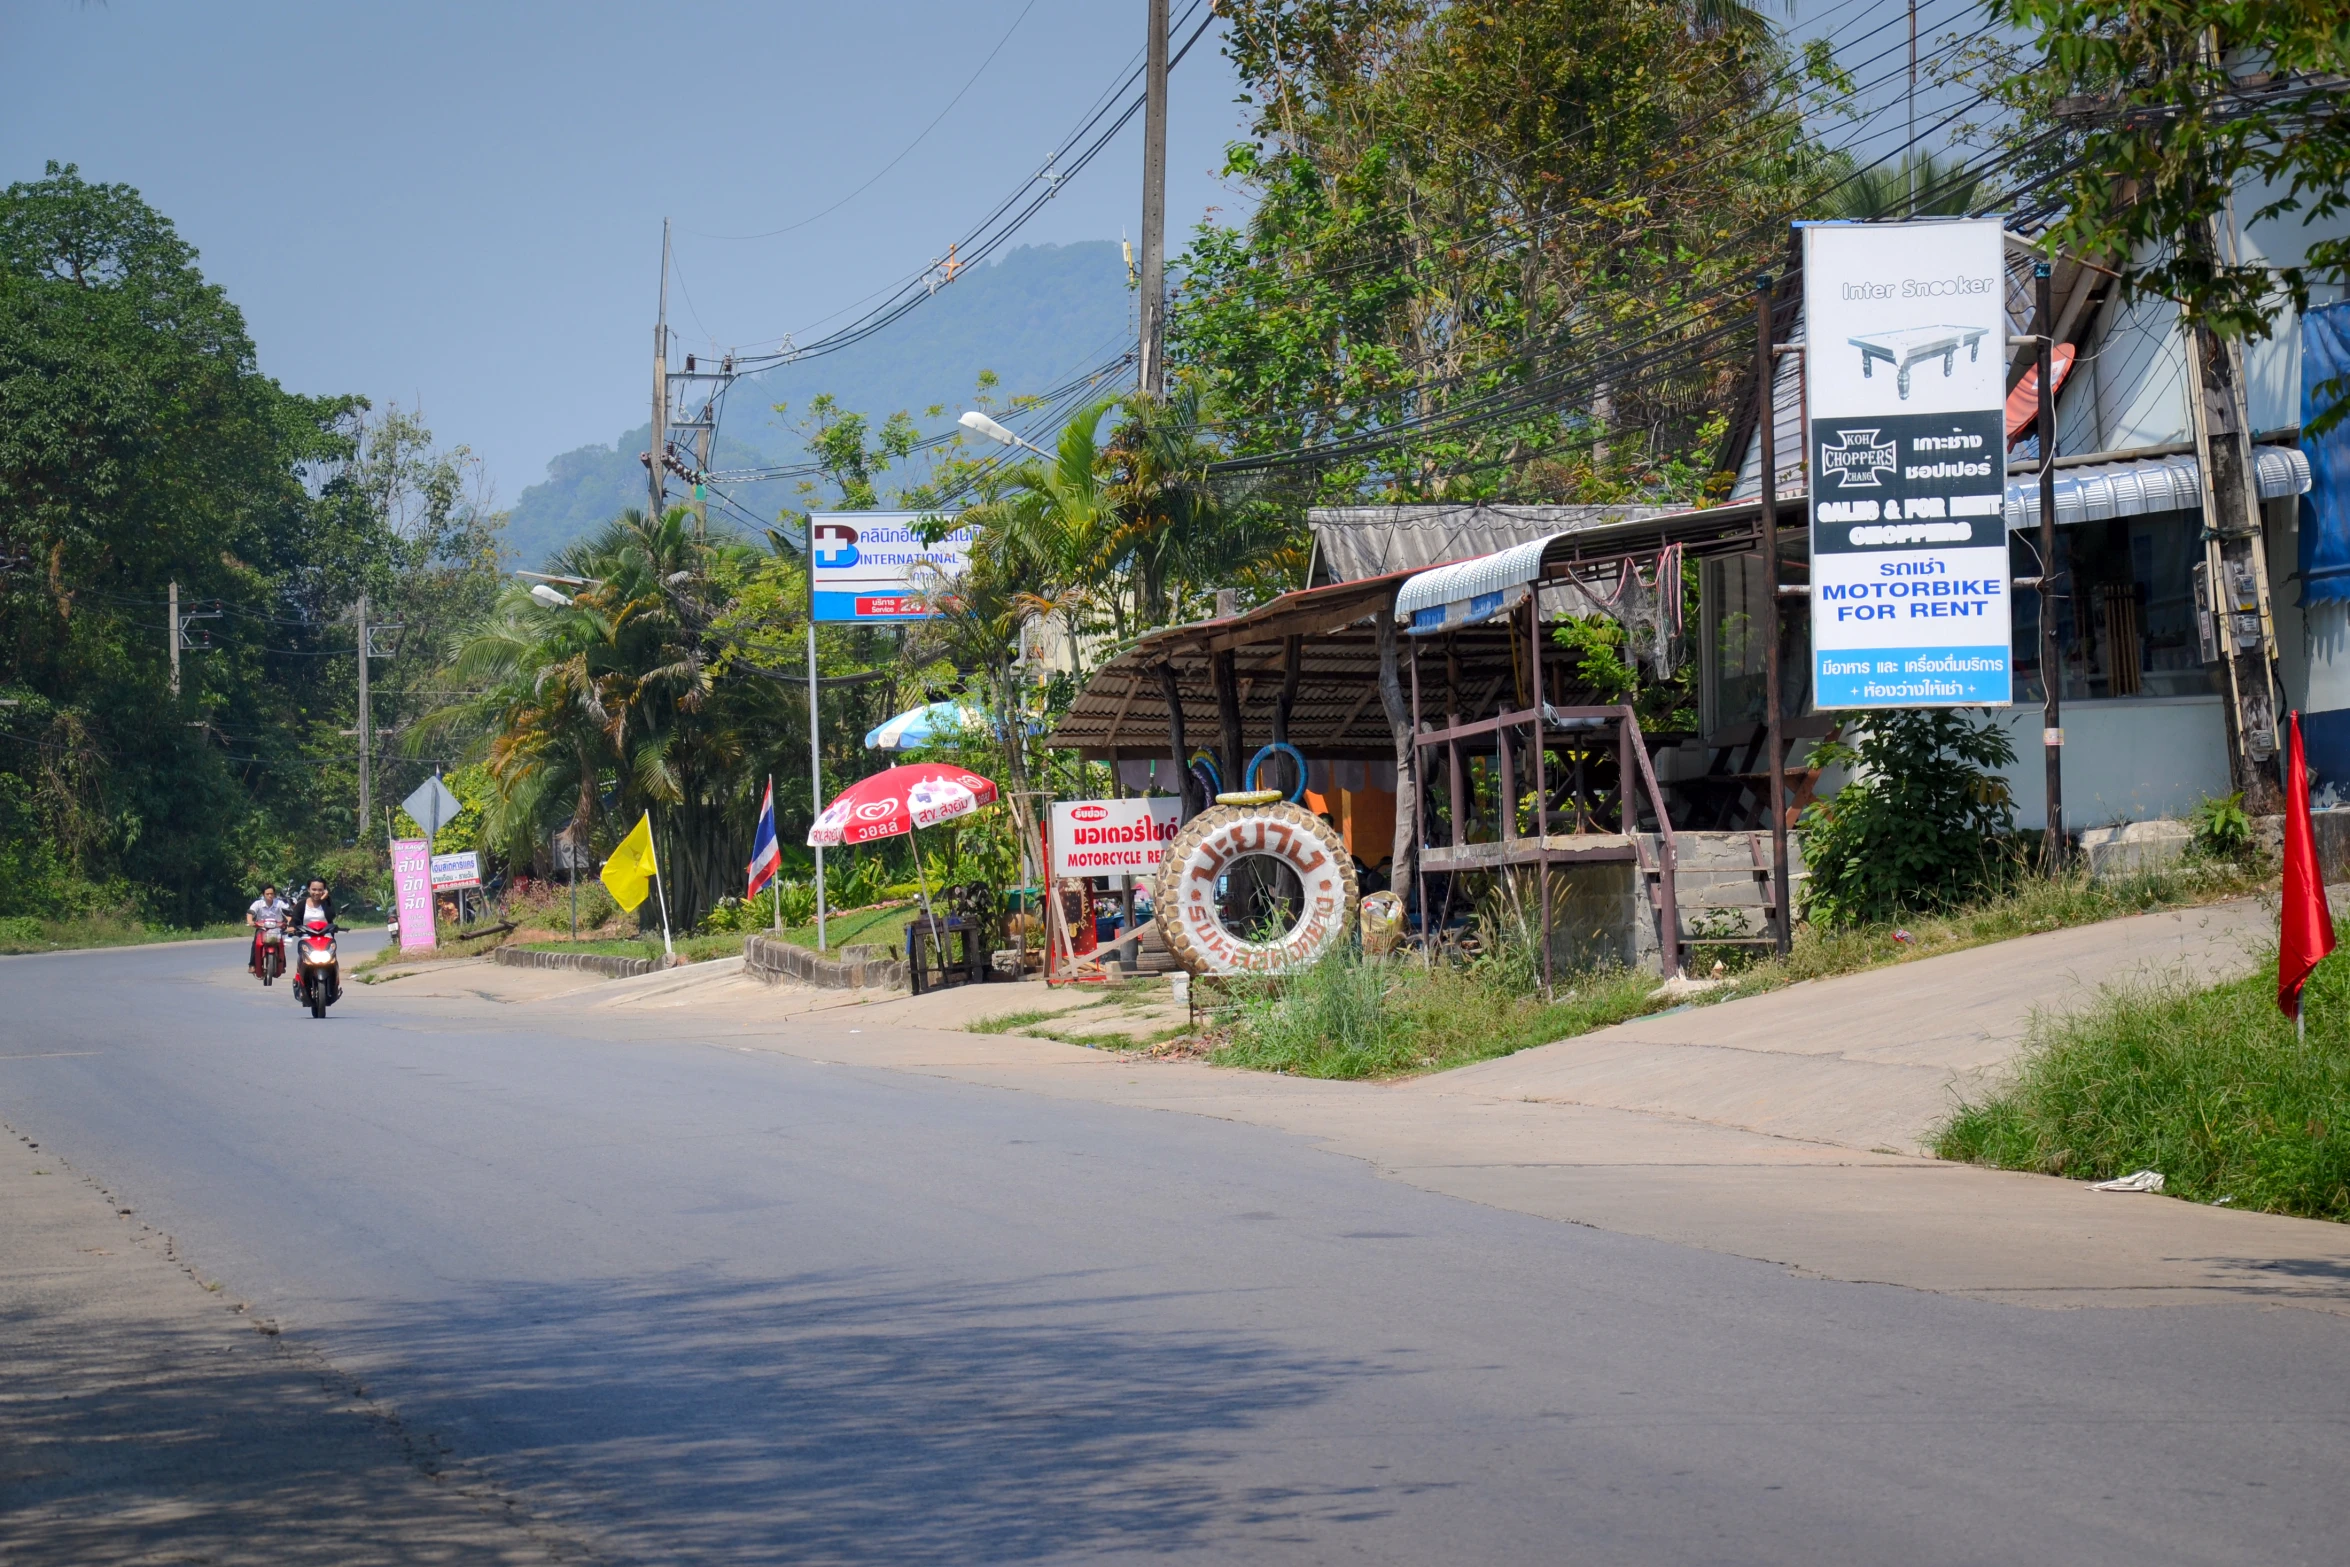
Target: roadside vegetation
1347,1018
2207,1085
28,933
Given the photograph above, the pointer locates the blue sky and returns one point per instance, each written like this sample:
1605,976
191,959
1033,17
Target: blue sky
461,204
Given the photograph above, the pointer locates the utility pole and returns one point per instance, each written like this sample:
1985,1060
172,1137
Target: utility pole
1910,148
1775,738
1154,206
175,637
366,726
2052,838
655,461
2231,586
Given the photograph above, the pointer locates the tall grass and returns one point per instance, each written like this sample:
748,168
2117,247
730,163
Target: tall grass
1343,1017
2208,1086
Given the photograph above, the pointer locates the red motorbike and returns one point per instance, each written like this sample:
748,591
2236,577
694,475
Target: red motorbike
318,976
269,951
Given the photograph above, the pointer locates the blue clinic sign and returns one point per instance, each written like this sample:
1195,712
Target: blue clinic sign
1905,366
873,565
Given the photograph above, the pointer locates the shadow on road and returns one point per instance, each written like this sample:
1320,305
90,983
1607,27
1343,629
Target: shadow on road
845,1417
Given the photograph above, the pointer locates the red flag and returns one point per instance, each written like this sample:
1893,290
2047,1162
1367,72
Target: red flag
2308,932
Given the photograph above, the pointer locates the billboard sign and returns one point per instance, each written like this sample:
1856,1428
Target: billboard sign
1113,837
451,871
412,892
1905,366
873,565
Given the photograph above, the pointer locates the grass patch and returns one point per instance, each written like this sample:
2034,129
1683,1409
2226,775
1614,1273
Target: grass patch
2207,1086
883,926
26,933
694,949
1344,1018
1009,1022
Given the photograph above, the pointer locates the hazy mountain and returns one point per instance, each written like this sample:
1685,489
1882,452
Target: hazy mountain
1036,318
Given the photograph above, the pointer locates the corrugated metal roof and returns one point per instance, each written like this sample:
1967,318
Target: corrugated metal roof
1353,542
2101,492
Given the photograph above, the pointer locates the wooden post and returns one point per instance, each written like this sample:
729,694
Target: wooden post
1775,762
1227,682
2051,656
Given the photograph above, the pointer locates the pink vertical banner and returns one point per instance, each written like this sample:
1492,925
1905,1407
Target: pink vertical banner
412,892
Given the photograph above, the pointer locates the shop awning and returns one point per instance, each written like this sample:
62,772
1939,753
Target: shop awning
2101,492
1468,591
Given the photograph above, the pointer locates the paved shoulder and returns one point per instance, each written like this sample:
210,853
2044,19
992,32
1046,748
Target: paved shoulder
1869,1060
145,1419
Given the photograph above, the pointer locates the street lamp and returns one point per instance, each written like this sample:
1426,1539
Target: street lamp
541,593
980,424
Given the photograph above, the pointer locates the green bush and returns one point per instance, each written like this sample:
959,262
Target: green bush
2222,829
2208,1086
1925,823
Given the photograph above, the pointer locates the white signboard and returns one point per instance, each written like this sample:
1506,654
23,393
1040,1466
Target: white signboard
1905,366
873,565
1113,837
456,870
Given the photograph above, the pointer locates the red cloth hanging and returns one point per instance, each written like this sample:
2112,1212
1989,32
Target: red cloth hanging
2307,933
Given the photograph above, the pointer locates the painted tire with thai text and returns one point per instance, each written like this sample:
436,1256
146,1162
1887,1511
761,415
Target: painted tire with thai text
1209,843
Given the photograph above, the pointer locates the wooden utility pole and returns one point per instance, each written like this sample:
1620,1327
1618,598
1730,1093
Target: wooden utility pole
174,638
366,726
2052,837
1154,206
1775,746
656,460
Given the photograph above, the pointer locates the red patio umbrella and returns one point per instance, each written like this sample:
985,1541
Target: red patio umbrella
920,794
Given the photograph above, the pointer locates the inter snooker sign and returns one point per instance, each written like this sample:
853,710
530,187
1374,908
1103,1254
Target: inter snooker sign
1905,366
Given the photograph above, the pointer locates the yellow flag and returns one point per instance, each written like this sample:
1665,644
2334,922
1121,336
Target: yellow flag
628,873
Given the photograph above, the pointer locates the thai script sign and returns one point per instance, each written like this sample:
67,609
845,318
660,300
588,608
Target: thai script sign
1905,367
412,892
1113,837
456,870
873,565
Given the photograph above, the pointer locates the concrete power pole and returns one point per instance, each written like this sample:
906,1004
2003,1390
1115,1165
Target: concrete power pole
366,731
1154,206
656,476
2231,586
175,637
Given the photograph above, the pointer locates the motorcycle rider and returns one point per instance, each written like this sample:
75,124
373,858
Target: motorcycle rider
314,903
267,910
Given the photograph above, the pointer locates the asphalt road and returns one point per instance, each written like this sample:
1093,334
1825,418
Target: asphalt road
702,1304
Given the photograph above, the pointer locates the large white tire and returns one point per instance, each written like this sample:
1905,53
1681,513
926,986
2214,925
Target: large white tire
1209,843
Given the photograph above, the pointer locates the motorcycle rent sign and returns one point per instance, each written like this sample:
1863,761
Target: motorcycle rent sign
1905,396
1113,837
873,565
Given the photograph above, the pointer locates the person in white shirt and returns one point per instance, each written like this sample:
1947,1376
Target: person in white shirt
267,910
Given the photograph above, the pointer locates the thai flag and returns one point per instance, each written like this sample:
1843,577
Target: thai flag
766,857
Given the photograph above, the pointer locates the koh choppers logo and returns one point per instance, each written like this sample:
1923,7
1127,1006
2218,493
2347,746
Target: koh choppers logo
1859,461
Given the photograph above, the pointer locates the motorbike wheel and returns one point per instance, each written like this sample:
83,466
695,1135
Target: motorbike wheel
317,1001
266,978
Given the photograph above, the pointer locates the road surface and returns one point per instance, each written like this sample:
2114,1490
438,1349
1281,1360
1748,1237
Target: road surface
668,1296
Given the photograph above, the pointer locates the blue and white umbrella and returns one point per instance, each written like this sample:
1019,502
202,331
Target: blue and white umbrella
923,726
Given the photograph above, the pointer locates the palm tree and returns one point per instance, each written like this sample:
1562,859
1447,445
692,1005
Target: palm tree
611,693
1945,188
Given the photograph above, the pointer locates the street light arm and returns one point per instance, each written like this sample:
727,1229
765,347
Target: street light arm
980,424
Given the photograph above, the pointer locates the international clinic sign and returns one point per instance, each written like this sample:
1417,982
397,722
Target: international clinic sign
1113,837
873,565
1905,329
